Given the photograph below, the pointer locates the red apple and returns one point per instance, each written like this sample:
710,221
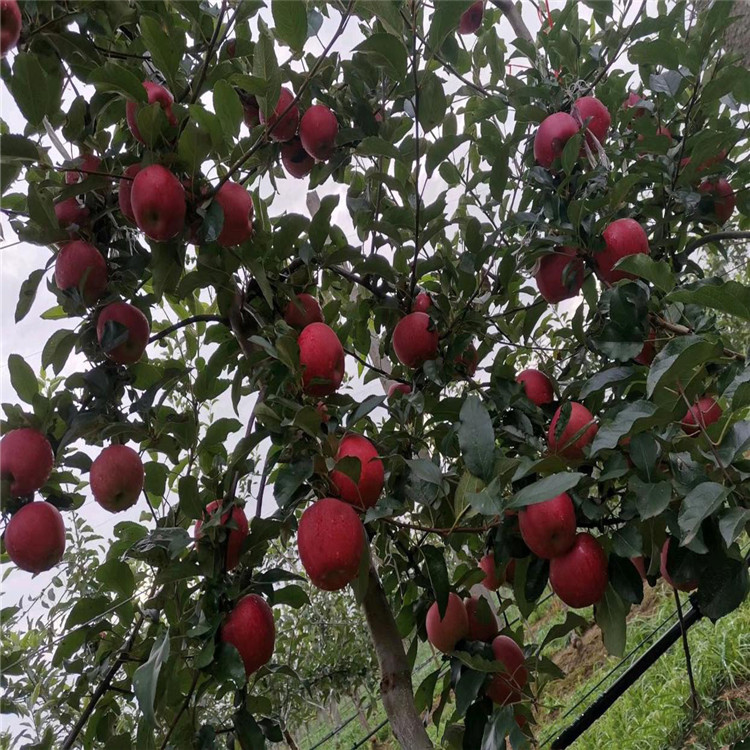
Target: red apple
331,542
251,114
236,536
116,478
506,686
231,48
71,214
89,163
471,19
647,354
138,331
81,266
482,620
704,412
493,578
579,577
722,196
467,362
285,128
26,460
559,275
537,386
662,132
415,339
622,237
35,537
322,359
395,388
10,25
633,100
707,164
549,528
237,205
297,162
156,93
422,303
444,633
322,410
364,493
594,117
250,628
302,310
690,585
640,565
551,137
577,433
318,129
126,187
158,201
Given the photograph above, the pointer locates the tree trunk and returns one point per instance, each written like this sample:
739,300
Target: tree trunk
395,683
290,740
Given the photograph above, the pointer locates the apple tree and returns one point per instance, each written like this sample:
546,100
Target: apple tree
362,311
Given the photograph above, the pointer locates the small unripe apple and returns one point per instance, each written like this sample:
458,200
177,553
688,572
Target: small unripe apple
704,412
251,114
722,197
622,237
35,537
647,354
549,528
559,275
467,362
236,536
577,433
415,339
250,628
537,386
138,331
71,214
286,128
322,359
302,310
126,187
707,164
395,388
493,578
505,687
237,205
318,129
156,93
690,585
482,620
444,633
589,108
116,478
90,163
10,25
331,542
422,303
26,460
297,162
579,577
471,18
552,135
158,201
79,265
365,492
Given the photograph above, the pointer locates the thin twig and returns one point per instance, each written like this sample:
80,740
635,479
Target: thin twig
681,330
209,52
686,648
715,237
364,362
206,318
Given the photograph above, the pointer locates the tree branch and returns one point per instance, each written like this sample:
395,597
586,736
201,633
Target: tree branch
209,51
680,330
509,10
715,237
207,318
182,710
380,371
353,277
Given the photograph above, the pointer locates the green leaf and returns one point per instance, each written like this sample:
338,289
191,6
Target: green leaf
625,579
612,431
387,12
729,297
375,146
426,470
658,272
445,20
37,91
363,409
679,358
572,621
437,573
190,502
610,613
293,595
545,489
290,479
57,349
147,675
111,77
27,295
467,689
604,379
570,153
722,586
166,46
699,504
425,691
228,107
320,225
439,151
290,22
22,378
266,68
247,731
385,51
15,149
228,666
732,523
651,499
432,102
116,575
477,438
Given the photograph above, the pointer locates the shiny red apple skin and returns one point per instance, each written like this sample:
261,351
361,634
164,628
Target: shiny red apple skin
591,109
251,629
237,205
35,537
76,261
297,162
689,585
415,339
622,237
26,459
471,18
303,310
322,359
70,213
116,478
286,128
482,625
422,302
444,633
158,201
493,579
10,25
632,100
131,350
331,543
704,412
251,115
364,493
559,275
236,536
549,527
395,388
566,445
155,93
647,354
537,386
507,686
580,576
552,135
318,129
123,194
89,163
724,201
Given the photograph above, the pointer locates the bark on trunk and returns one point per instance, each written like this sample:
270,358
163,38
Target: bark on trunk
395,683
290,740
